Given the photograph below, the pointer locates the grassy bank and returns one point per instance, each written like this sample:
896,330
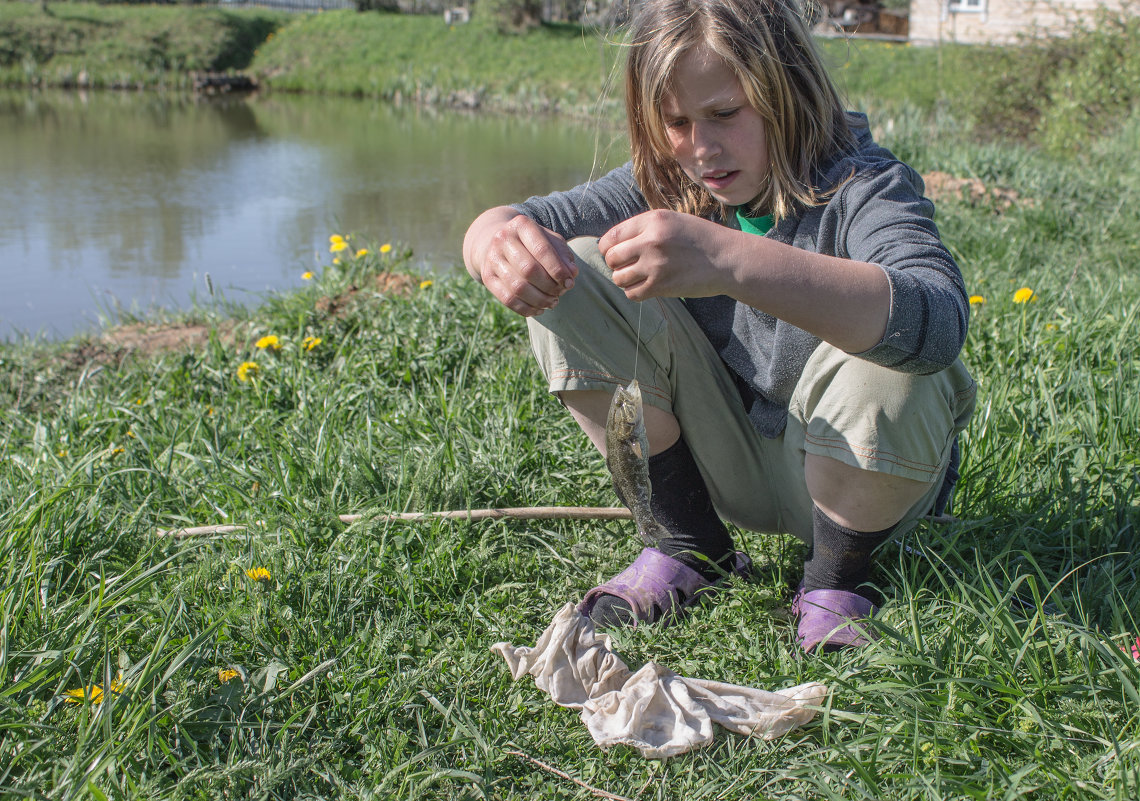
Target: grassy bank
357,665
1059,94
390,56
420,59
413,58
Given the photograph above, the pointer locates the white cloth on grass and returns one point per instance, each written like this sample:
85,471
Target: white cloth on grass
656,711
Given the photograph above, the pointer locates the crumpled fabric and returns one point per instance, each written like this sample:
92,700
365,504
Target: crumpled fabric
654,710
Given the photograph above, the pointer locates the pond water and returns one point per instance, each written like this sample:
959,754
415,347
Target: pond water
125,201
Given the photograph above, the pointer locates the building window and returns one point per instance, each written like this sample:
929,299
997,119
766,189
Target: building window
967,6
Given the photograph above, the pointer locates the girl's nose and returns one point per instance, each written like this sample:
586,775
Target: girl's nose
705,142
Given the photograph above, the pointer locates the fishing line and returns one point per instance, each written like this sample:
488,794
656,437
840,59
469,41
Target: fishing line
637,345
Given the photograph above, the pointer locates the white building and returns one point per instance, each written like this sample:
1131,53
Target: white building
999,21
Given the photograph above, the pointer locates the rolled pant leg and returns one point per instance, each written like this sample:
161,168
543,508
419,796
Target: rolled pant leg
878,419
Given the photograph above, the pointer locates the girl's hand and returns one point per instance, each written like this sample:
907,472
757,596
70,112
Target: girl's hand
525,266
668,254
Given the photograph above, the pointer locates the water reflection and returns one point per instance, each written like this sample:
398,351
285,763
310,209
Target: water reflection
126,200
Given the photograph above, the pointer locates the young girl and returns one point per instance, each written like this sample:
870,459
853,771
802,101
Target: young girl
778,281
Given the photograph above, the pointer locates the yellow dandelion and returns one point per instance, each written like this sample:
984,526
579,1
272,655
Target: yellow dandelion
247,371
61,453
269,341
425,284
307,275
337,247
258,574
94,693
131,435
1025,295
360,254
116,451
336,239
227,674
977,300
386,248
336,260
308,343
138,401
209,411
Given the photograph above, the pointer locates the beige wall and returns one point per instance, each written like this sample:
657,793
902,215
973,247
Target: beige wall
1001,21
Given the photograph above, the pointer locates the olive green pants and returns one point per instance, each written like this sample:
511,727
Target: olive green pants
843,407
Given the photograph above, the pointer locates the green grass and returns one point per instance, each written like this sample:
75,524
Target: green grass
365,663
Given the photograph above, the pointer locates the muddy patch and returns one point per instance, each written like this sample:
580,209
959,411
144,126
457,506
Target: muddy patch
148,339
115,345
944,186
398,284
155,339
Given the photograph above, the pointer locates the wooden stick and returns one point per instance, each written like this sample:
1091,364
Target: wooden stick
568,777
514,513
197,531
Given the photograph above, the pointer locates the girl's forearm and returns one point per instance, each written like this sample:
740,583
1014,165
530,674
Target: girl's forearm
845,303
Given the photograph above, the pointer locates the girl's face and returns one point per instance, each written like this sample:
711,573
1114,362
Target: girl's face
715,134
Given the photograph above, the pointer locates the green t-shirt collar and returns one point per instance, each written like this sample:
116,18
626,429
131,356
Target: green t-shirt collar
754,225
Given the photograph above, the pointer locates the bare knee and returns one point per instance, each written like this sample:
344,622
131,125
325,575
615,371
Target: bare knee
858,499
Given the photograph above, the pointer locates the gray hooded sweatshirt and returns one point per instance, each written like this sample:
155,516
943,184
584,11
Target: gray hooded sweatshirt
879,215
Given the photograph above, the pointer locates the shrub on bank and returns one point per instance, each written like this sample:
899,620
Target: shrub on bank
121,45
1060,92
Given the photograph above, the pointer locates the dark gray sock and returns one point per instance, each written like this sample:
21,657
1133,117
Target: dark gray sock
840,558
681,503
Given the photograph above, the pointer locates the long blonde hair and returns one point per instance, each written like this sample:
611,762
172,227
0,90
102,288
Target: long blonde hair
768,45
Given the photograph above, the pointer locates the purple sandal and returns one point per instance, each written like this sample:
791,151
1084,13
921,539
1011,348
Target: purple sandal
658,587
830,619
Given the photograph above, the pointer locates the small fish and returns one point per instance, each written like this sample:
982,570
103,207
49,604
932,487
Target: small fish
627,457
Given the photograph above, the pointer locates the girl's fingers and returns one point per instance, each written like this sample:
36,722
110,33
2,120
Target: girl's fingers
635,285
534,269
619,247
514,291
620,233
527,268
524,303
549,252
539,255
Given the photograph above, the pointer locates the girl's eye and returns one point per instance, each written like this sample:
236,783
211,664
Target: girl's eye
679,123
726,113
